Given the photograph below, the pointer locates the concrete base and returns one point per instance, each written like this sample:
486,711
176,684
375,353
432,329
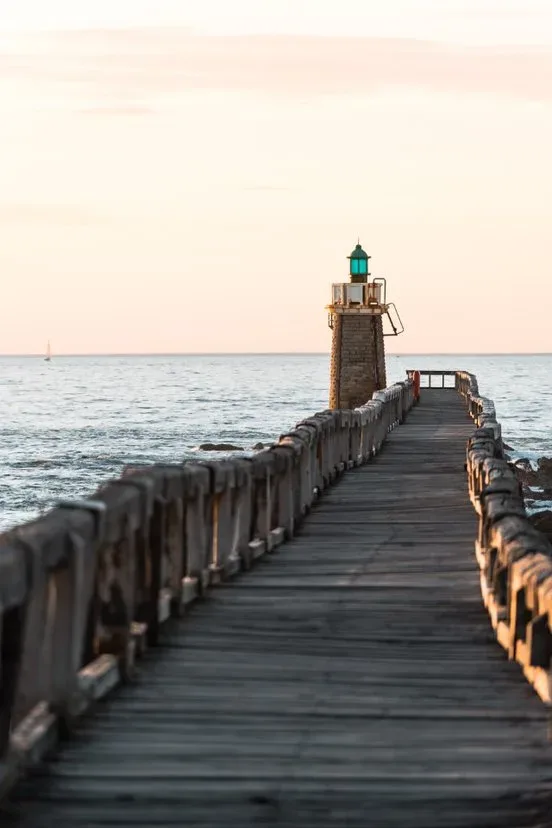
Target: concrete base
190,591
233,566
257,548
218,573
275,538
9,774
139,632
35,736
99,677
246,558
164,605
128,666
38,733
204,581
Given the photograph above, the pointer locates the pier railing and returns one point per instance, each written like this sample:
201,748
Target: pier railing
85,588
515,559
434,378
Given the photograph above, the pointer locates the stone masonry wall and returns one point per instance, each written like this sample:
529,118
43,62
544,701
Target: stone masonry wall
380,346
335,361
357,365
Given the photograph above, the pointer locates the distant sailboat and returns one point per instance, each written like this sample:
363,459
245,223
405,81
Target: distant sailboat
48,357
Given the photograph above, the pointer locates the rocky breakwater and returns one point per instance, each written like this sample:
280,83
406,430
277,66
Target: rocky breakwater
230,447
535,477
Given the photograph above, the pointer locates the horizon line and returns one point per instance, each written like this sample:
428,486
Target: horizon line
114,355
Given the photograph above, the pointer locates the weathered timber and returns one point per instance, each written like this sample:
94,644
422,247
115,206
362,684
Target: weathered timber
514,558
84,589
351,679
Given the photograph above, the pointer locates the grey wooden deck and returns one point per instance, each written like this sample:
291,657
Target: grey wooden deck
349,680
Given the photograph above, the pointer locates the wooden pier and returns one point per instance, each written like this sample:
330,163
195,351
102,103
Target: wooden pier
351,678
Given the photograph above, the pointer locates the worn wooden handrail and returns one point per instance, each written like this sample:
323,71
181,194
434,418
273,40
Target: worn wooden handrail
85,588
515,559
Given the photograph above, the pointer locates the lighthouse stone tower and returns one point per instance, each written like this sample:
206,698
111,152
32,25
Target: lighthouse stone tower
355,315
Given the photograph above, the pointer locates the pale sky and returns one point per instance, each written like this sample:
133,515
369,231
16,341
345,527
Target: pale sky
190,175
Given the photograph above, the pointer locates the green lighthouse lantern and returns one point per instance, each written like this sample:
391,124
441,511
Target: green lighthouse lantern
358,265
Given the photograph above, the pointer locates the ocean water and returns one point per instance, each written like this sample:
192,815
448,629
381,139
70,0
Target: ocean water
69,424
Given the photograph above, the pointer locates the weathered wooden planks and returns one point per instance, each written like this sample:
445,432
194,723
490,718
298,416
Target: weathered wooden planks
351,679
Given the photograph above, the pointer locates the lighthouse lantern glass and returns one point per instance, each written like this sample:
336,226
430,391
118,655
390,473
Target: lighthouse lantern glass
359,267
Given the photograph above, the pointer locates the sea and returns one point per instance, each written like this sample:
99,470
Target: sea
69,424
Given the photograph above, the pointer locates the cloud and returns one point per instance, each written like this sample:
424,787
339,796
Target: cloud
127,72
118,110
267,188
64,214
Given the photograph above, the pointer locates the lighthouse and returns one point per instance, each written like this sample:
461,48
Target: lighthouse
355,316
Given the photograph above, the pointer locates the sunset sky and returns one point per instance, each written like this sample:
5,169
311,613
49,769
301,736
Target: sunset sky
190,175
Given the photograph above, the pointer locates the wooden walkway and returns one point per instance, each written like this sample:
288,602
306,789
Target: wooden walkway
350,680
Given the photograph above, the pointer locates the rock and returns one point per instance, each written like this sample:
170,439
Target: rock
535,493
260,446
540,476
544,472
523,464
525,472
219,447
543,522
